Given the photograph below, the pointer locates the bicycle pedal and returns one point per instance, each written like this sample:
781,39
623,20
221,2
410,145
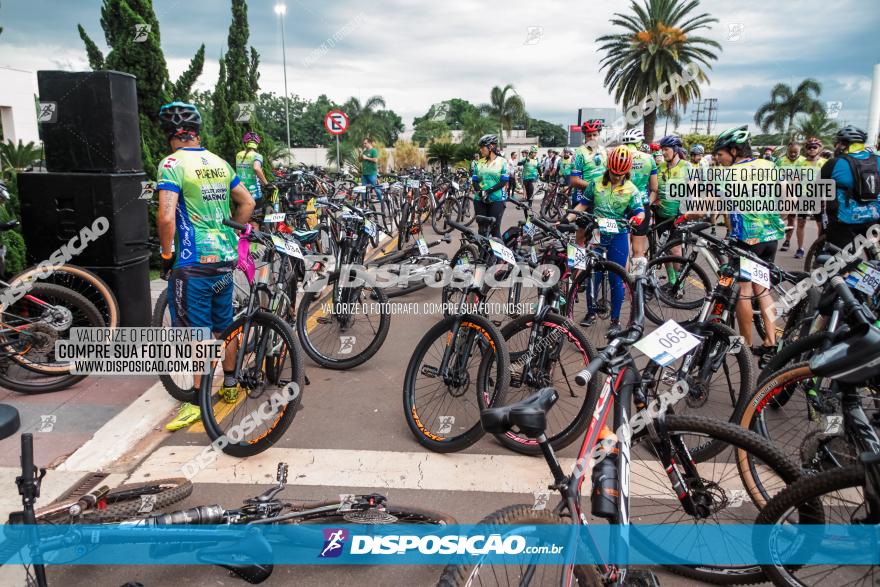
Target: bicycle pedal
641,578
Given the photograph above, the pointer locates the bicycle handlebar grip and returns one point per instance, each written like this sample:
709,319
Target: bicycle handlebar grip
857,310
27,456
234,224
586,375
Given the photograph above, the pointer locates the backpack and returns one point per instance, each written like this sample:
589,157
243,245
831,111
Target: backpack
866,179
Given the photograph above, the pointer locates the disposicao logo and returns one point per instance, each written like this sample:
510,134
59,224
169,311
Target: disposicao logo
334,542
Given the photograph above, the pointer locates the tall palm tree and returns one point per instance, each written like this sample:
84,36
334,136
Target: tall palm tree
785,105
506,106
658,42
816,124
475,125
363,121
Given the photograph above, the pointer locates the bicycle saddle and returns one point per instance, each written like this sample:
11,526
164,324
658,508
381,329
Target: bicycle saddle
855,360
306,237
487,220
529,416
9,421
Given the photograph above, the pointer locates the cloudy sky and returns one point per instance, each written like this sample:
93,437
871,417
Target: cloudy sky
415,53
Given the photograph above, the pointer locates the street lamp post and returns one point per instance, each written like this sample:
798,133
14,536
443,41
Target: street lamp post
280,10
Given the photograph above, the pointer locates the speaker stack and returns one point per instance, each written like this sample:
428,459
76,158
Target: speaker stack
93,157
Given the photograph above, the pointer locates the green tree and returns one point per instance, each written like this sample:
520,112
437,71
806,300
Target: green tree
506,106
15,157
311,125
785,104
142,57
658,42
429,130
817,124
237,85
223,139
452,113
182,88
548,133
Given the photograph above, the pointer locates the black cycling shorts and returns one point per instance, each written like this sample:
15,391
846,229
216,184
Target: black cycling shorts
765,251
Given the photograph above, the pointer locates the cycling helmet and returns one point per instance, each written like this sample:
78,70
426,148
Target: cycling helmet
632,136
251,137
813,142
654,147
592,125
673,141
645,148
850,134
533,149
487,140
698,149
620,160
732,137
567,151
179,116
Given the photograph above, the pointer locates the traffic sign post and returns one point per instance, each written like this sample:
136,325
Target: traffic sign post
337,123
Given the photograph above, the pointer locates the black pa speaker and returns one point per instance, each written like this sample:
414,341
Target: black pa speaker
89,121
131,284
56,207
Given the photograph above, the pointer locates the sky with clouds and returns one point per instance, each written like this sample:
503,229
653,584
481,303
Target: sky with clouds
416,53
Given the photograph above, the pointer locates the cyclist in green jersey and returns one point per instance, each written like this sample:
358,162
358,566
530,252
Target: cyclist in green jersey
489,178
195,189
791,158
759,233
530,173
589,158
370,171
674,168
644,177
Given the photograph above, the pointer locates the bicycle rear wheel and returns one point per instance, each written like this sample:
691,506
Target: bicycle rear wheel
268,391
442,404
83,282
561,352
28,364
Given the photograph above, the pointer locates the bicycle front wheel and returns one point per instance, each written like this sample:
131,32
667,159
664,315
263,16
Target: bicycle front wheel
460,367
254,414
346,328
681,288
525,571
834,497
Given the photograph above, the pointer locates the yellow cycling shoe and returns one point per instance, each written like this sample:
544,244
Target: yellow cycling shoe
189,414
228,394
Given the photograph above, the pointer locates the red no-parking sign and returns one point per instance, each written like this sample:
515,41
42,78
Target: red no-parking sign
336,122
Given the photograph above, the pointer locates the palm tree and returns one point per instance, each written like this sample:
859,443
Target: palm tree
658,44
474,125
506,106
363,121
442,152
785,105
816,124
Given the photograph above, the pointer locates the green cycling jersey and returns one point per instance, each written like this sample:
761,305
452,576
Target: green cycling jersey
203,182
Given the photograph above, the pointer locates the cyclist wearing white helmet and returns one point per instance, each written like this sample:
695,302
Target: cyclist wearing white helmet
644,176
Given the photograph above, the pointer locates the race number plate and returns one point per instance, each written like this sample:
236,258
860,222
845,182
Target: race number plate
503,252
577,256
278,217
287,247
667,343
754,272
608,225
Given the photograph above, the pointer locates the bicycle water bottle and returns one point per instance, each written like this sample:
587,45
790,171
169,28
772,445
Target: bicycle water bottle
606,491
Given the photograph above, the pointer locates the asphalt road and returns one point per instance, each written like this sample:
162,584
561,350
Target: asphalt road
349,437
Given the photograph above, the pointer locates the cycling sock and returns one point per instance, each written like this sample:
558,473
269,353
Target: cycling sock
671,274
228,378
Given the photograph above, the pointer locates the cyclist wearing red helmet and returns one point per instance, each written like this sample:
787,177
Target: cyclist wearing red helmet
589,158
616,202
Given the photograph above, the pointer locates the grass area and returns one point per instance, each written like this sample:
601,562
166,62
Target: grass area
154,274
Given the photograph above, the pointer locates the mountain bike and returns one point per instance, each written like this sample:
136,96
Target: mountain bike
341,320
460,366
846,490
268,368
136,506
646,475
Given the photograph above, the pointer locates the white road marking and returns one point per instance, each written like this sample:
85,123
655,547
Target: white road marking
396,470
115,438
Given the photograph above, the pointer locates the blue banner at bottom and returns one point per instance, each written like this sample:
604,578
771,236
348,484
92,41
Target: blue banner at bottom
724,545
